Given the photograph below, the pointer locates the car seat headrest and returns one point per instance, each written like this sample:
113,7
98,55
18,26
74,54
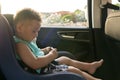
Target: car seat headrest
112,25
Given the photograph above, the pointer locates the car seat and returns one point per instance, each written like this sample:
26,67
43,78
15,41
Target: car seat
112,33
9,66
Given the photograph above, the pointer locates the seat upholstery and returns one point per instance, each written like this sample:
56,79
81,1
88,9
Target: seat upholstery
112,26
9,65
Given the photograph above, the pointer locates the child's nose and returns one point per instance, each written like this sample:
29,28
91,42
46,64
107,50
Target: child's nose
36,34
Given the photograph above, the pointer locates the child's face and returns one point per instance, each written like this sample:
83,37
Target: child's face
29,29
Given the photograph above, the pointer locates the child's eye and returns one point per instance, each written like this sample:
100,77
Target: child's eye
34,31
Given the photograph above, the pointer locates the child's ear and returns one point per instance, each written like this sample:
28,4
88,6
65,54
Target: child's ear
19,27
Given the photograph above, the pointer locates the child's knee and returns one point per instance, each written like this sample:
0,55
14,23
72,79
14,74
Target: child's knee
63,60
75,70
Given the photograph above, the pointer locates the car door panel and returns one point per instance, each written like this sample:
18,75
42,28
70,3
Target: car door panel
74,40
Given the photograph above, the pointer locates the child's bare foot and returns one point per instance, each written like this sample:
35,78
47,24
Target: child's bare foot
94,65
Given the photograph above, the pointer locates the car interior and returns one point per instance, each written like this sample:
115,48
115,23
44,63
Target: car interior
101,40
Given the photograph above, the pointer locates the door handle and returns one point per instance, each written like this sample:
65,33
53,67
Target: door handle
67,36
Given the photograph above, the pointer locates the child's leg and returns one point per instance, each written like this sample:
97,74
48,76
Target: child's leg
89,67
82,73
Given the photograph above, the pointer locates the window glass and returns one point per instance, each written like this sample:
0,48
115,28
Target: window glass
65,13
117,3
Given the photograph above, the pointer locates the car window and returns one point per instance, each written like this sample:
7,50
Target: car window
116,3
67,13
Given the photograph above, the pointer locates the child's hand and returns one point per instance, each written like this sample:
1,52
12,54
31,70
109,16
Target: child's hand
54,52
48,49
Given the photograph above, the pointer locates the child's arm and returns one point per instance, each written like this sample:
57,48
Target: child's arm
31,60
